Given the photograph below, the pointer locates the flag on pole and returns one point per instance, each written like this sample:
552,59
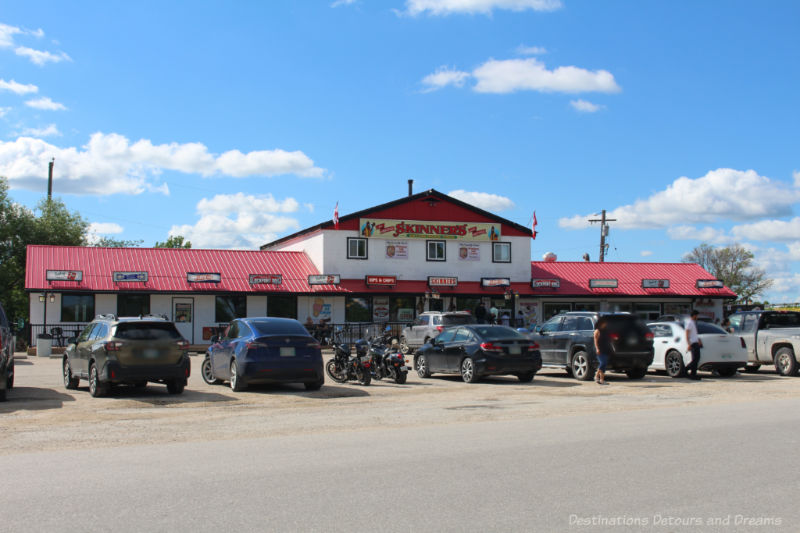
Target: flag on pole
336,216
533,228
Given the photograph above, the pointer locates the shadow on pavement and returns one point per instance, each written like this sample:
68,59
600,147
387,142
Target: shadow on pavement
33,399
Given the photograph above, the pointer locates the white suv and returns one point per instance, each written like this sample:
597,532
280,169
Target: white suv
430,324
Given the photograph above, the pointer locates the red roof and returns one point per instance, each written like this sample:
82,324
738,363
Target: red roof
574,279
167,269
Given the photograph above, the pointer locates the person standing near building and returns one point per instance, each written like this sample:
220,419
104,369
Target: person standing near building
603,347
695,344
480,313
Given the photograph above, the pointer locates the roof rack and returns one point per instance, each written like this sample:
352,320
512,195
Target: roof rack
154,315
107,316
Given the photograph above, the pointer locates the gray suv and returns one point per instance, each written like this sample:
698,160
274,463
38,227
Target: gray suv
129,351
6,355
430,324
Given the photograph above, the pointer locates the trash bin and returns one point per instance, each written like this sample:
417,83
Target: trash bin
44,345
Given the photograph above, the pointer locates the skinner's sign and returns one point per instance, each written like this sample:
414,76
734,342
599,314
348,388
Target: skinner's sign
417,229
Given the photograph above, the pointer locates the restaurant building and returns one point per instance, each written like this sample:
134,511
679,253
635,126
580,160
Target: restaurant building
426,251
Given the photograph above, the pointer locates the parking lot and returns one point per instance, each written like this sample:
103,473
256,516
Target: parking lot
41,414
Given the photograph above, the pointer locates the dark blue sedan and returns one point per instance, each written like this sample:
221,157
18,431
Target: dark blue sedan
264,350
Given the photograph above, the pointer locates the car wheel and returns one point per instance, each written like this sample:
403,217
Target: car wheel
363,376
526,377
581,367
673,363
10,378
785,363
726,372
468,373
422,367
96,387
405,349
208,373
636,373
237,383
176,386
752,369
337,375
70,381
314,385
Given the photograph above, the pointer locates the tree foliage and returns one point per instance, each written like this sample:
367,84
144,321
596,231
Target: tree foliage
108,242
734,266
174,241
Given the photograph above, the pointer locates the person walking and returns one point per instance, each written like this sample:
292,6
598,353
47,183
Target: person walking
603,347
694,345
480,313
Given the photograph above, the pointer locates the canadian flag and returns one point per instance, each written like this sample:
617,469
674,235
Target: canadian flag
533,228
336,216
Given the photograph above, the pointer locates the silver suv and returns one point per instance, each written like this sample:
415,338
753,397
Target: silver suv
430,324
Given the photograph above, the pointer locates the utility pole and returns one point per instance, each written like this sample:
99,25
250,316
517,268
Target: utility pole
50,180
603,232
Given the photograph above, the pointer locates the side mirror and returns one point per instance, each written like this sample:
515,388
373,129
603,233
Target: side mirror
214,339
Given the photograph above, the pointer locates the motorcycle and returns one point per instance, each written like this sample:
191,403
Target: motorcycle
347,367
385,357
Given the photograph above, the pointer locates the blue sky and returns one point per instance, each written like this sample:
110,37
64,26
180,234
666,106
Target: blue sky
235,123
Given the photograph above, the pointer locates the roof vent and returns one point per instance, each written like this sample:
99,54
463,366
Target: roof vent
549,257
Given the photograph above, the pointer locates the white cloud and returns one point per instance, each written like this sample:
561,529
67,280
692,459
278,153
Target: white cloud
449,7
796,176
722,194
238,221
510,75
17,88
531,50
769,230
7,35
111,164
40,57
443,77
585,107
338,3
645,253
705,234
46,104
4,111
47,131
105,228
483,200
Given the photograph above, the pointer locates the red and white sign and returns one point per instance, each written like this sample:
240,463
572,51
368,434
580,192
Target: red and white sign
266,279
495,282
380,308
64,275
546,284
324,279
203,277
710,284
381,280
442,281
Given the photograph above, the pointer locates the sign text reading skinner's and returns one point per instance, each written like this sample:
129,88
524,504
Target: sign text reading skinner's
420,229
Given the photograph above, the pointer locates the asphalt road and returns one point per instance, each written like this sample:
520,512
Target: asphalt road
724,466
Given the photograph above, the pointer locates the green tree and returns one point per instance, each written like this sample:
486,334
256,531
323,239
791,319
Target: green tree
174,241
108,242
734,266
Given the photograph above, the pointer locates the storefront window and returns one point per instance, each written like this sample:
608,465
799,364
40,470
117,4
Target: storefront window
552,309
401,308
77,307
621,308
133,304
648,311
585,306
676,309
282,305
229,307
436,304
357,310
467,303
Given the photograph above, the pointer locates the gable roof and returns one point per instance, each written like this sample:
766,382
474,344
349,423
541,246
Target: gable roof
389,210
574,279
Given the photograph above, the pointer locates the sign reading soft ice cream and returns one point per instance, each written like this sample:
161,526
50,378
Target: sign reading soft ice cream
321,308
418,229
324,279
396,249
64,275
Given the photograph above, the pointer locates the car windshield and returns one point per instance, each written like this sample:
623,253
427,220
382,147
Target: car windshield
496,333
146,331
278,327
457,320
782,320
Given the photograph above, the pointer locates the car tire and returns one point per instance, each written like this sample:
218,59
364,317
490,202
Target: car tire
581,366
10,378
726,372
785,363
2,395
237,383
526,377
70,381
468,373
207,371
314,385
636,373
423,370
405,349
96,387
673,364
176,386
752,369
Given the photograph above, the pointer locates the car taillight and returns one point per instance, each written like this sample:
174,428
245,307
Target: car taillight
614,336
256,345
112,346
183,344
489,347
439,328
741,339
649,336
532,347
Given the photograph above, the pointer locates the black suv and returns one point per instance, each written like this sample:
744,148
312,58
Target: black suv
130,351
567,341
6,355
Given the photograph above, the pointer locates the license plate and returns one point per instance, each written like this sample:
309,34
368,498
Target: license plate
287,351
514,350
632,340
727,356
150,354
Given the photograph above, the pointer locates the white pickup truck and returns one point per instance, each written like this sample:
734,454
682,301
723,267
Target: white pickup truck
772,338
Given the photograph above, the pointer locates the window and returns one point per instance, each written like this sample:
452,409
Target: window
551,325
229,307
77,307
357,310
356,248
445,336
736,323
662,330
501,252
436,251
462,335
133,304
750,322
422,320
284,306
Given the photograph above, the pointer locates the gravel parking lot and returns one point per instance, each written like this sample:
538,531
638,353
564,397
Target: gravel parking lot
41,414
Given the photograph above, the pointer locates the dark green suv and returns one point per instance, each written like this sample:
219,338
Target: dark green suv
127,351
